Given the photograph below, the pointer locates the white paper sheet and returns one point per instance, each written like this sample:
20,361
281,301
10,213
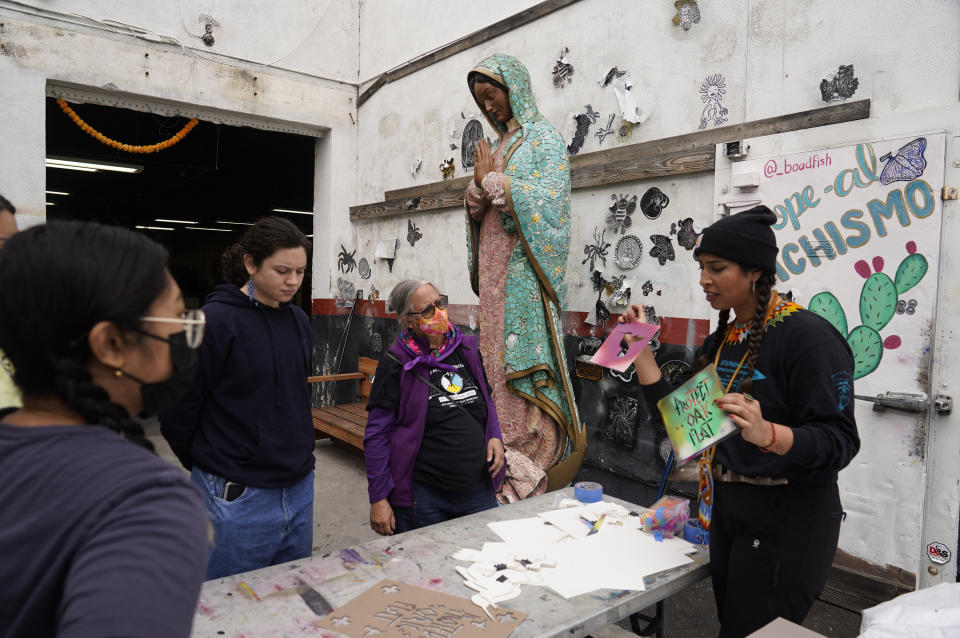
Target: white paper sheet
616,558
630,109
527,532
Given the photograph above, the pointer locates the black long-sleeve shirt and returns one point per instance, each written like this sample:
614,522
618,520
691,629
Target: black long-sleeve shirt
803,378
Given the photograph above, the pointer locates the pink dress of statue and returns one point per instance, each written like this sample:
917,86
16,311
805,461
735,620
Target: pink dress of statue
530,436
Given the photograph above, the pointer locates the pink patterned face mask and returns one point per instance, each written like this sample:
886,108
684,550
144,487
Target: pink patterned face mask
437,324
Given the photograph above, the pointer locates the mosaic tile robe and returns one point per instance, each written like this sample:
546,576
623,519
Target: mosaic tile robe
518,233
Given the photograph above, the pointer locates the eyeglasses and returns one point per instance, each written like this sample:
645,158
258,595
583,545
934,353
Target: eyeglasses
193,323
430,310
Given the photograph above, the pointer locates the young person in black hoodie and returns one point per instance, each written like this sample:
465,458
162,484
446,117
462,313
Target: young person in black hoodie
245,429
789,378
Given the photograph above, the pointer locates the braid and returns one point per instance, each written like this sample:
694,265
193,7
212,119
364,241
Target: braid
706,359
77,390
757,328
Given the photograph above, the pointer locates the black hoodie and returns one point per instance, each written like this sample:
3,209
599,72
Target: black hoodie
247,417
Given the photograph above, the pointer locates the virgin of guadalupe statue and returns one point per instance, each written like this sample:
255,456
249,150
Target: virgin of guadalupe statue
518,233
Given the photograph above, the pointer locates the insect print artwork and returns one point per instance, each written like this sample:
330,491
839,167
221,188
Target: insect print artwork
562,70
413,232
620,212
906,165
447,169
345,261
662,249
596,250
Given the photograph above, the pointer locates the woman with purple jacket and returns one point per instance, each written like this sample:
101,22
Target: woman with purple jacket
432,444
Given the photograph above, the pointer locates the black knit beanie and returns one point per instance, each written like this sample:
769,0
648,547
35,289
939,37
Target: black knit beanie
745,238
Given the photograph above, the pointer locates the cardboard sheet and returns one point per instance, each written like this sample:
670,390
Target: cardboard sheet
392,609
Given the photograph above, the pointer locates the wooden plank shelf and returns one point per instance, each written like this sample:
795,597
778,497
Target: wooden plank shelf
681,154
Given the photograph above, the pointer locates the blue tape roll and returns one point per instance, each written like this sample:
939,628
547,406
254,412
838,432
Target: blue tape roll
588,491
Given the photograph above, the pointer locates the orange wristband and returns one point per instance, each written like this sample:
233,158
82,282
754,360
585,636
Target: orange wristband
773,431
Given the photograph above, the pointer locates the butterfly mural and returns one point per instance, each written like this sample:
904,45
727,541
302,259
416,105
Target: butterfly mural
662,249
413,232
906,165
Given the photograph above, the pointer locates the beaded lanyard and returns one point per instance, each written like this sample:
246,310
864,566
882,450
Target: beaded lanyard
705,462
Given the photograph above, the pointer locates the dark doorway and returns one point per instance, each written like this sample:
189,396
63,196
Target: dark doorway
221,177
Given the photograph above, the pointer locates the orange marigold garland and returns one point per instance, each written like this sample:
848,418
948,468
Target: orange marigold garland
128,148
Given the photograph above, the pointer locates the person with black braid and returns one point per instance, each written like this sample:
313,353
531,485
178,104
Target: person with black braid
788,374
99,536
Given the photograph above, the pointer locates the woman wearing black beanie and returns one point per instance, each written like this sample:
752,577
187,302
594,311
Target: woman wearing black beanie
788,375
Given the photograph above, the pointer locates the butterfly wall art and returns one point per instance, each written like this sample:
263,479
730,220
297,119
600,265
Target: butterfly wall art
906,165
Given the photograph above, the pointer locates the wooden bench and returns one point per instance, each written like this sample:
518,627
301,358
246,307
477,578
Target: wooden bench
346,422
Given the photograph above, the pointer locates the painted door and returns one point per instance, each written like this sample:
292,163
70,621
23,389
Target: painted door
861,232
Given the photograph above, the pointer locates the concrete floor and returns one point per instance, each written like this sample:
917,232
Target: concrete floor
341,515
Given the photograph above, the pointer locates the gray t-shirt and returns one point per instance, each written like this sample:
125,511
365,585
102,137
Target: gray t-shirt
98,537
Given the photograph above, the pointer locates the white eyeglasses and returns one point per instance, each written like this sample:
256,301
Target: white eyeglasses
193,322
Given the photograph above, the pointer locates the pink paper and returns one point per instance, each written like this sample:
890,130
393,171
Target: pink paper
615,353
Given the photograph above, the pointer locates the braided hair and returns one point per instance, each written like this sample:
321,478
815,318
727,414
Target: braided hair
763,290
58,281
758,328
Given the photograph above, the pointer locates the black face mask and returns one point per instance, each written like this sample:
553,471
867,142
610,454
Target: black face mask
163,395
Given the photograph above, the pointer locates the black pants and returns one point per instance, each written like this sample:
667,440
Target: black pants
771,548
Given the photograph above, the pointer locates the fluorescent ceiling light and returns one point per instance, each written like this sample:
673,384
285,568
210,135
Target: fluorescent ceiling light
62,162
295,212
216,230
56,193
221,221
50,204
175,221
72,168
155,228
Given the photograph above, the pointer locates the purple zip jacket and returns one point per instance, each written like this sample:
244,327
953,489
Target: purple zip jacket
391,440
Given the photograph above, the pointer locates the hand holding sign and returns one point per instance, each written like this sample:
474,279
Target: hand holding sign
623,345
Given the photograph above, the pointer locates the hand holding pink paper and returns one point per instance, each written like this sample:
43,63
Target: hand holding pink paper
617,352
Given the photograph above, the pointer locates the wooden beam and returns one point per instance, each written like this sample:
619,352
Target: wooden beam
515,21
689,153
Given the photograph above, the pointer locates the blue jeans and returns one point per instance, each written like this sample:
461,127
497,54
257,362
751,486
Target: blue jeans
431,505
261,527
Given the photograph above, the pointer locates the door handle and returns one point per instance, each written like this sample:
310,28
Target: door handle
908,402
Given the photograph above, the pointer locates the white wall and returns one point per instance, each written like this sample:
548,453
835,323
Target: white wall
38,51
772,53
316,37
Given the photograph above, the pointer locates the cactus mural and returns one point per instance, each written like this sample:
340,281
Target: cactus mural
878,304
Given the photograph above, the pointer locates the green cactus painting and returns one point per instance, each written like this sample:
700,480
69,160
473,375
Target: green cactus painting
878,304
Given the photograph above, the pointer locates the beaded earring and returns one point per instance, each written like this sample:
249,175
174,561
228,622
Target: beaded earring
250,289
